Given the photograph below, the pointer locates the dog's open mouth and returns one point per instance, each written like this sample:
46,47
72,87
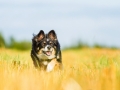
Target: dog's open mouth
48,53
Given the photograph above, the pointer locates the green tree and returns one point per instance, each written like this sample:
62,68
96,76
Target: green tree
2,41
21,45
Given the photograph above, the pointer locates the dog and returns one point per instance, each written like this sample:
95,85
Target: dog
46,52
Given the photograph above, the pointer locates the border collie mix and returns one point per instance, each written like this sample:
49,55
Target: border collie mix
46,53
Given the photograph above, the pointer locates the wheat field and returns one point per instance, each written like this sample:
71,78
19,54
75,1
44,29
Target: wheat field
84,69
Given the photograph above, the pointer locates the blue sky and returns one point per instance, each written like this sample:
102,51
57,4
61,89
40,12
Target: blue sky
92,21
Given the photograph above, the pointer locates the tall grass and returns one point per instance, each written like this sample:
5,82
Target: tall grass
92,69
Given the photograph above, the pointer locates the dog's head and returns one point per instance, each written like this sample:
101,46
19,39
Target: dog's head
45,45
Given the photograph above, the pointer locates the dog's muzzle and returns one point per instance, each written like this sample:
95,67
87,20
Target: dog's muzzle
48,50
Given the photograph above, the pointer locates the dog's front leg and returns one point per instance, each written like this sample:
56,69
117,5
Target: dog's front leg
51,65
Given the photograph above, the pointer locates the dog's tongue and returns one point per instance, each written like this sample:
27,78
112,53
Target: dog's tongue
48,53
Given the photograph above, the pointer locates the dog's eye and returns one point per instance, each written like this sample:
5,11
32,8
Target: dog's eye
44,43
51,43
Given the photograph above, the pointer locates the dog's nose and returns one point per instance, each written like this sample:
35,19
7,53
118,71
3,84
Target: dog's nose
49,47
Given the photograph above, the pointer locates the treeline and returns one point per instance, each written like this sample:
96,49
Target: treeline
14,44
80,44
26,45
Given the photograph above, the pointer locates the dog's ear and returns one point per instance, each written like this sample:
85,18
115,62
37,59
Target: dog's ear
40,35
52,35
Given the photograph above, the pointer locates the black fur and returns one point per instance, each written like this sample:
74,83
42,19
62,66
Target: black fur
40,41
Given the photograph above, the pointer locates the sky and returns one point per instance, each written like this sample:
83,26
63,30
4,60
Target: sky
91,21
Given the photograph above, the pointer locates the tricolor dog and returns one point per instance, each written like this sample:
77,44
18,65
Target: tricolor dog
46,53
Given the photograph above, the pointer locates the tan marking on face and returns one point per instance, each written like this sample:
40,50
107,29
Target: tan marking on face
53,51
43,56
44,42
40,51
